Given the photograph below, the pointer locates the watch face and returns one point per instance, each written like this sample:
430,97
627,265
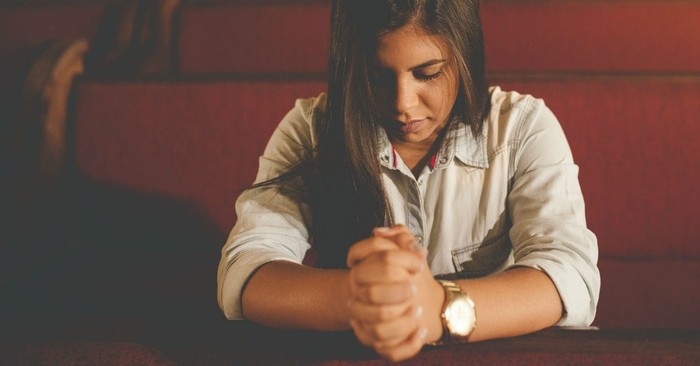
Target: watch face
460,316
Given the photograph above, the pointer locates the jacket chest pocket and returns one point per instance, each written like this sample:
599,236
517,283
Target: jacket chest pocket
479,259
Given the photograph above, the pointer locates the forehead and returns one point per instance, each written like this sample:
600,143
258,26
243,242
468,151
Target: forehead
409,46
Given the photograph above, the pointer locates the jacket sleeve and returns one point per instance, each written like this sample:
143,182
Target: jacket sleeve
272,224
548,216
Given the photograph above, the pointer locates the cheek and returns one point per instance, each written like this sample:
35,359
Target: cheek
440,101
449,92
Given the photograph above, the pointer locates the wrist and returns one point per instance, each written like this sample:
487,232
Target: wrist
434,313
458,315
344,296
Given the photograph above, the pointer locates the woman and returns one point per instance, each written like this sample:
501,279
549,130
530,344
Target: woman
411,172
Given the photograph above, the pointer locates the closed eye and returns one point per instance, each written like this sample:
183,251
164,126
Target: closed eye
426,77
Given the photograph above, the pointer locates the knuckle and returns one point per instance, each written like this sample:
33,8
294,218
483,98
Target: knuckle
380,243
379,346
363,338
384,257
373,294
392,272
408,289
365,341
384,353
352,274
375,333
354,277
384,313
406,236
394,356
378,333
386,272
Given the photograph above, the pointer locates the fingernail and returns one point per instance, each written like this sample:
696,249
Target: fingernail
423,333
414,289
382,229
418,312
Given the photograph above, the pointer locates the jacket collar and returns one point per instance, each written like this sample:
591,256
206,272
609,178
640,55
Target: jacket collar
459,143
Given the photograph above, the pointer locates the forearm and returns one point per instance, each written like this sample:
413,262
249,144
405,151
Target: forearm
515,302
289,295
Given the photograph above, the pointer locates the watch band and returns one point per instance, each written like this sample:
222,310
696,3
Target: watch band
452,291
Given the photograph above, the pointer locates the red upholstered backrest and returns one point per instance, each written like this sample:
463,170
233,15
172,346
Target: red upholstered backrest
192,141
592,35
265,37
636,142
254,38
29,25
634,139
654,36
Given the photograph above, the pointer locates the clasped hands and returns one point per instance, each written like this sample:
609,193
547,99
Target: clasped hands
395,303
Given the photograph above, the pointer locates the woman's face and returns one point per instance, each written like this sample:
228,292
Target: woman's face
416,84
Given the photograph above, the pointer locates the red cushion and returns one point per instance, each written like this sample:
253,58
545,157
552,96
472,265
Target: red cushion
535,36
197,141
250,38
635,140
22,26
592,35
649,294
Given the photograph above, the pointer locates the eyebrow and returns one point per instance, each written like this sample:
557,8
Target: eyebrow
428,63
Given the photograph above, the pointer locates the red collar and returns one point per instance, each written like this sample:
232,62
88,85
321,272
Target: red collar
433,159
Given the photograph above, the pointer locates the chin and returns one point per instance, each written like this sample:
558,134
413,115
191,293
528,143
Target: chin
414,138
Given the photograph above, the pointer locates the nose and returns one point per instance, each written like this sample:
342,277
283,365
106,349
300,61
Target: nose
406,97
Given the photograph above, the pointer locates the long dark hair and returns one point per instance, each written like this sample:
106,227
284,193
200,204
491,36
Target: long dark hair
343,180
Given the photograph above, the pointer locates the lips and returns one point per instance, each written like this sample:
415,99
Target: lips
410,126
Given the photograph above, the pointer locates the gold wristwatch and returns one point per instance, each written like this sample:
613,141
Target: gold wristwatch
458,314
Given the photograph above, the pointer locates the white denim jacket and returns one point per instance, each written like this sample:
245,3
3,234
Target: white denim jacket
510,197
